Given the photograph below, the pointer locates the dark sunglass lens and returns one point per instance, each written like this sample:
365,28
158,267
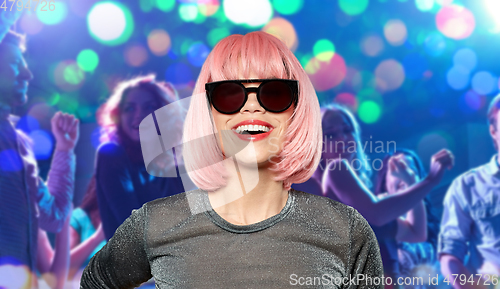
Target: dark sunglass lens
276,95
228,97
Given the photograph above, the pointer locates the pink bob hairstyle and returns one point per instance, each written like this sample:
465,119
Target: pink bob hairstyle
267,57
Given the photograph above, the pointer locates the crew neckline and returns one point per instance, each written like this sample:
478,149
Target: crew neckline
251,228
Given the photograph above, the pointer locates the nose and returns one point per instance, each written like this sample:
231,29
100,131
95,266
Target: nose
252,105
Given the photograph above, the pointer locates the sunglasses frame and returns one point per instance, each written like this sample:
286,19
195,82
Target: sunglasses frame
292,84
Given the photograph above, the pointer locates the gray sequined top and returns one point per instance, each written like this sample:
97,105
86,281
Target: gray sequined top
182,242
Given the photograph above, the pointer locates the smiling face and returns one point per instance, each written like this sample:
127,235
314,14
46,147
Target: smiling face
14,75
138,104
265,129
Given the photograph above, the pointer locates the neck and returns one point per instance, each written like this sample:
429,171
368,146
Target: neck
250,196
5,111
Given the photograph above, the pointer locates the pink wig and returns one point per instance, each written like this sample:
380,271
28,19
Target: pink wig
267,57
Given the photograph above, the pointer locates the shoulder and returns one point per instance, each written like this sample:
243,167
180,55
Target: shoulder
326,210
169,211
110,152
465,184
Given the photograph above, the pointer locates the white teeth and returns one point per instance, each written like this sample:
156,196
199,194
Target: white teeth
250,127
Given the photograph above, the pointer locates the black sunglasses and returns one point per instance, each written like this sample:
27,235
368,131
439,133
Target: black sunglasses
274,95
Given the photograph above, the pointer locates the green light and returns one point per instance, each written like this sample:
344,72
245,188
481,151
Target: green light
188,12
146,5
287,7
353,7
424,5
165,5
324,49
51,17
217,34
200,18
68,103
87,60
73,74
304,60
369,111
54,99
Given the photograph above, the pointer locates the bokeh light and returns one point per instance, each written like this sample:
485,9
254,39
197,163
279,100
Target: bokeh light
217,34
465,58
395,32
493,7
52,17
483,82
110,23
414,65
28,123
347,99
165,5
188,12
433,142
455,21
159,42
471,102
372,45
136,55
208,7
68,76
253,13
197,54
434,44
353,7
326,74
284,30
30,24
389,75
87,59
458,77
42,144
424,5
324,49
369,112
288,7
22,274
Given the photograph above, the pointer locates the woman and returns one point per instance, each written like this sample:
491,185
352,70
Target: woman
122,182
344,172
407,246
244,227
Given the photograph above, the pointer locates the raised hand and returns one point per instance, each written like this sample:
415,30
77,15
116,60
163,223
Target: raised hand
439,162
66,131
401,170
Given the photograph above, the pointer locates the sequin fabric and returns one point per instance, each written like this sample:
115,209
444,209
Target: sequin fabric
314,242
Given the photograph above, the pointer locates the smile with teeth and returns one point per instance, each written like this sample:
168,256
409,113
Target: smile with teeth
252,129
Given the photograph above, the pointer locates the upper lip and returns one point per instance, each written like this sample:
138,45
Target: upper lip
253,122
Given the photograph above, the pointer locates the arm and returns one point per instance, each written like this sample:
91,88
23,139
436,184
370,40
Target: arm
123,261
454,235
364,260
342,181
54,201
53,264
413,228
115,191
82,251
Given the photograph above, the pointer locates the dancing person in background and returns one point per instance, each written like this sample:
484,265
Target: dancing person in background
339,181
26,202
245,226
470,226
122,182
403,243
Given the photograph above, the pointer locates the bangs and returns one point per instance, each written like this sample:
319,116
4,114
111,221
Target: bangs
250,55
